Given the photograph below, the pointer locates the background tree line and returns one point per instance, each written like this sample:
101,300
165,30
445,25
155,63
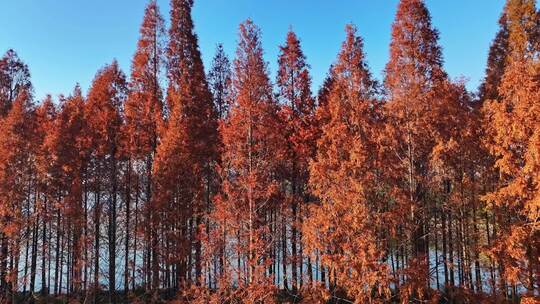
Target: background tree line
228,187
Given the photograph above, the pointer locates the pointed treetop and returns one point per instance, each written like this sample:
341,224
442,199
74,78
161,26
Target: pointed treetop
219,79
250,67
183,52
149,56
415,56
46,109
108,85
293,79
249,48
103,109
144,105
14,78
351,68
77,91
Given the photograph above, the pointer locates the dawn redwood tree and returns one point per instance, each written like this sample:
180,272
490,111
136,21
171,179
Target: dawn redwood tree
488,92
186,153
14,78
73,154
224,189
143,108
297,114
48,184
55,203
512,137
63,167
250,154
413,79
344,226
456,162
103,115
143,116
219,80
16,170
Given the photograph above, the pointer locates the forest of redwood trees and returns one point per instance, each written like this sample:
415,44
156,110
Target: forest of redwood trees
222,185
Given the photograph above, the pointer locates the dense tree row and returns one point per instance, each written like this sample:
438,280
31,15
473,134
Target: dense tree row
226,187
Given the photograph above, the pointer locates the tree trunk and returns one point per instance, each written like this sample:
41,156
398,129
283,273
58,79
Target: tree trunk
97,227
136,231
112,233
127,232
33,266
44,245
57,253
284,249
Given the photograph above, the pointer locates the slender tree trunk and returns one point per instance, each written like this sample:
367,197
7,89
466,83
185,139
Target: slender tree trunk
69,260
154,247
284,248
57,253
112,233
136,232
294,236
77,243
3,264
128,232
63,241
444,248
476,240
97,227
198,249
436,254
49,255
26,255
33,266
222,269
15,256
323,272
44,245
451,250
85,243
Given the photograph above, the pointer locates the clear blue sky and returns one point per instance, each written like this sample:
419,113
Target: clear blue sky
66,41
